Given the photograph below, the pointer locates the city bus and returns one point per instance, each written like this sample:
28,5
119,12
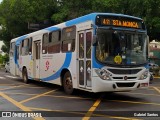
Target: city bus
98,52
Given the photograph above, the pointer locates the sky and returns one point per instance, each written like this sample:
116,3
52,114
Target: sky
1,1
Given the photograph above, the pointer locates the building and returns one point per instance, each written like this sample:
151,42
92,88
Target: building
154,52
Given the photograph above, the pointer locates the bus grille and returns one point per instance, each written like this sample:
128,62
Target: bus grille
118,71
125,84
122,78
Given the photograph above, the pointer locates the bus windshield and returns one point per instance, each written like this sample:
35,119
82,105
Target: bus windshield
121,47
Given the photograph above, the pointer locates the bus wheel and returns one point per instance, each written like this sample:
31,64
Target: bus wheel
25,75
67,83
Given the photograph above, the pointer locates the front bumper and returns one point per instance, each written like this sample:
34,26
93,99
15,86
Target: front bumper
99,85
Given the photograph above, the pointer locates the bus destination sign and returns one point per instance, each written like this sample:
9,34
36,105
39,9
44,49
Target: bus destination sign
122,23
119,22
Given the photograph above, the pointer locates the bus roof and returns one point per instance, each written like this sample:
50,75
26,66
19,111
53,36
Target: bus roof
88,17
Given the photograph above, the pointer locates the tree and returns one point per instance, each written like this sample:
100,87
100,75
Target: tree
16,14
5,49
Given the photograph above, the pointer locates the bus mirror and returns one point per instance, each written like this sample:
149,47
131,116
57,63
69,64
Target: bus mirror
94,42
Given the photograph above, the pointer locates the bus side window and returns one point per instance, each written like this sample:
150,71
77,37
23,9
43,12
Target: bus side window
30,46
17,52
54,42
45,43
12,47
68,39
24,47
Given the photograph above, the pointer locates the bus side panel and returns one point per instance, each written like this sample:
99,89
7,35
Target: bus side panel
51,66
12,66
25,62
12,57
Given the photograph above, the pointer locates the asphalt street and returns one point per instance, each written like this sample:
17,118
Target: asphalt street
42,101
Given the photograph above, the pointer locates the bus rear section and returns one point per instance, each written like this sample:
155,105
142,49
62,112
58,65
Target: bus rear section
12,58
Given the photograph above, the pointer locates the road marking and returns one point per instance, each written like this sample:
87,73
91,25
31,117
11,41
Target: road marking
92,109
156,89
9,93
80,113
151,89
156,77
68,97
143,94
37,96
13,87
116,117
19,105
2,77
10,76
40,109
9,84
148,103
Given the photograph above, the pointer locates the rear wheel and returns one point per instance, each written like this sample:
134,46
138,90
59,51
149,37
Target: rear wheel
25,75
67,83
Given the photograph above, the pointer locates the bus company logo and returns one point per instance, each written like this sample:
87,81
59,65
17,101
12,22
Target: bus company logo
6,114
47,65
125,77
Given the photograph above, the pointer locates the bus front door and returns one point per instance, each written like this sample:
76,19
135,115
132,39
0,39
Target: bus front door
36,59
84,59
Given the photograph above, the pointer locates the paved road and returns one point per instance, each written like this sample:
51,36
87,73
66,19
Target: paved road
50,102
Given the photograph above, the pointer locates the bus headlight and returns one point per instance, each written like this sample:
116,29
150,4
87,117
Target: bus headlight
103,74
144,75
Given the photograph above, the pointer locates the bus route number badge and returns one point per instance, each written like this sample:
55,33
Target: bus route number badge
118,59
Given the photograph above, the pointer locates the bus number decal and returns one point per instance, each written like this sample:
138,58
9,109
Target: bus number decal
47,65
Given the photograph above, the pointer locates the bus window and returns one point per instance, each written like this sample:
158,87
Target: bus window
17,52
45,43
12,47
81,45
68,39
38,46
25,47
30,46
88,44
54,42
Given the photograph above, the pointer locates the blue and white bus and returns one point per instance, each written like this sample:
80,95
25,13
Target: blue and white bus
98,52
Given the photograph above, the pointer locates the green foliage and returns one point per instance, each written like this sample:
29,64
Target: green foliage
5,49
4,58
156,71
16,14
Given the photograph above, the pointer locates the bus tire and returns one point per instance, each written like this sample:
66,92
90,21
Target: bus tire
25,76
67,83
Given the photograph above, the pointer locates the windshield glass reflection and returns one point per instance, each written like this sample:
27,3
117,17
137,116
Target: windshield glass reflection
119,47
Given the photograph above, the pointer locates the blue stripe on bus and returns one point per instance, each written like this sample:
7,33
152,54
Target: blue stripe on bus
94,62
92,17
66,64
81,19
20,39
52,28
15,50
